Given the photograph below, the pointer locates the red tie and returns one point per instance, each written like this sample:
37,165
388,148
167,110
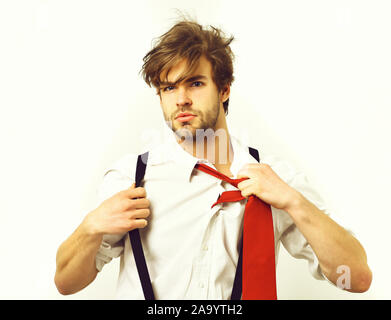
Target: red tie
259,271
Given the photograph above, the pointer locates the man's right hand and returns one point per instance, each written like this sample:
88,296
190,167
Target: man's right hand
124,211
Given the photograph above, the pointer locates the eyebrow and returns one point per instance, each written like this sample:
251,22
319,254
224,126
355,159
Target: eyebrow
191,79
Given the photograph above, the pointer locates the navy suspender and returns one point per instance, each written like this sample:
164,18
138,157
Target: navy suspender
237,287
254,153
135,239
137,248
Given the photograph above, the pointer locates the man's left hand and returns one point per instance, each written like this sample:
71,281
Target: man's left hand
264,183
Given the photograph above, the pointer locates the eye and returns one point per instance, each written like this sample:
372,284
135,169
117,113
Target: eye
169,88
197,84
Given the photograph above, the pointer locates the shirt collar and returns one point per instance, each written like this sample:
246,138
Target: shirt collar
170,151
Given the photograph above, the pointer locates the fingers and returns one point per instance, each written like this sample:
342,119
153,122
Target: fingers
244,184
138,206
246,192
137,224
141,203
137,218
134,192
138,214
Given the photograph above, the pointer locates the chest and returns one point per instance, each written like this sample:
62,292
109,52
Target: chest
181,208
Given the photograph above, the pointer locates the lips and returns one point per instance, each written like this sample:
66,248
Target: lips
185,116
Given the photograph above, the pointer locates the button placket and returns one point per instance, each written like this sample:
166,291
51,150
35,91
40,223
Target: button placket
209,249
202,263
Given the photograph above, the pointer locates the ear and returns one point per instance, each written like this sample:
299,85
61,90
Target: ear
225,92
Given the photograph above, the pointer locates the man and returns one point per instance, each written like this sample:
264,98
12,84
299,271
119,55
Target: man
191,249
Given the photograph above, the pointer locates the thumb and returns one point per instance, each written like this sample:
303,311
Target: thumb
133,185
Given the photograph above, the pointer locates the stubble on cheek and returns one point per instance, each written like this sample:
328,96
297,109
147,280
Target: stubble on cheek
204,120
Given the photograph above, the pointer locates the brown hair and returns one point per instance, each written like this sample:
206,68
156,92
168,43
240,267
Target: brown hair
189,40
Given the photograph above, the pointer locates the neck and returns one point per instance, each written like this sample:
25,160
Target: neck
213,145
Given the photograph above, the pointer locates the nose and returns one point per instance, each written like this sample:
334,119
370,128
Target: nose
183,99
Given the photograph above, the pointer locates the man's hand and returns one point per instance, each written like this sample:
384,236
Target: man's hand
125,211
332,244
264,183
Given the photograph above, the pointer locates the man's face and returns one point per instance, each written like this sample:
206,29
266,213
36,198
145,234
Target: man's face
191,104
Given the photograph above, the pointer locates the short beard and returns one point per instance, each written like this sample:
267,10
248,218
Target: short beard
208,123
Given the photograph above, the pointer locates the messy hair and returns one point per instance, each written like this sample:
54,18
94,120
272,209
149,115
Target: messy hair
189,40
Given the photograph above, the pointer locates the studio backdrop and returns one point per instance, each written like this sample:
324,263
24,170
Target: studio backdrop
312,86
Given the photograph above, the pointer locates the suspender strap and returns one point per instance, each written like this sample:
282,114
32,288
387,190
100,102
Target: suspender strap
135,239
138,253
237,287
254,153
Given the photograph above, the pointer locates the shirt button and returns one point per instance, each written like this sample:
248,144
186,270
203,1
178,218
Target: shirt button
205,248
201,285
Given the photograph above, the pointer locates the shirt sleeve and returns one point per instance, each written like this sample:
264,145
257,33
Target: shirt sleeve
118,177
290,236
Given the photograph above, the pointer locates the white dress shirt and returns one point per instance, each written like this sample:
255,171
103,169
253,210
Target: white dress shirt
190,248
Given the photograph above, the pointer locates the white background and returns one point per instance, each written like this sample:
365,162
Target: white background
312,86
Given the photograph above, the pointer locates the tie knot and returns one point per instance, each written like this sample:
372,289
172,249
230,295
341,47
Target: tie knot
205,168
226,196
